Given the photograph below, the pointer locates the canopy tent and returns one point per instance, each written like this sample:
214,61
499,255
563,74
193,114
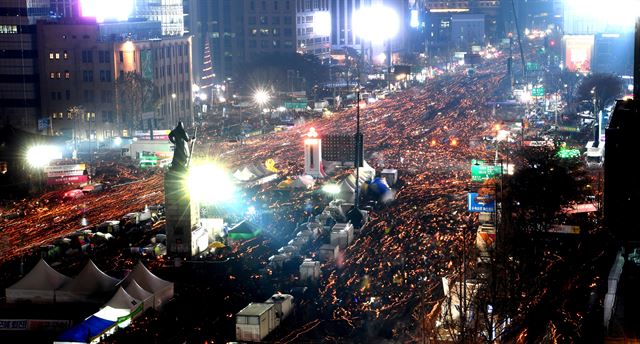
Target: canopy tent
135,290
244,230
243,175
91,281
347,190
251,173
38,286
86,331
162,290
121,308
300,182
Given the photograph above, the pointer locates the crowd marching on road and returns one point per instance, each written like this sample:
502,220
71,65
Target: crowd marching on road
427,132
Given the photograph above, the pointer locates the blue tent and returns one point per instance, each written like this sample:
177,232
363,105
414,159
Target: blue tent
86,330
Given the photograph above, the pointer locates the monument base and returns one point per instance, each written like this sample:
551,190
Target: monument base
182,216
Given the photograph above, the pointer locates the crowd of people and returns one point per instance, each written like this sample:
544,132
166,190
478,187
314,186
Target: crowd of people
424,132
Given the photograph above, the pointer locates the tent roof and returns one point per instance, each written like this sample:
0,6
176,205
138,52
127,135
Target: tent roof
245,227
135,290
122,300
41,277
146,279
112,314
91,280
83,332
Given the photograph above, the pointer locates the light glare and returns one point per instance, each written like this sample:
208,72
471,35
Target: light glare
209,184
366,23
41,156
101,10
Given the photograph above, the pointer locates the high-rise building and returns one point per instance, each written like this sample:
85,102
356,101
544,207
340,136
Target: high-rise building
269,27
342,31
240,30
19,105
65,8
219,23
168,12
80,67
313,28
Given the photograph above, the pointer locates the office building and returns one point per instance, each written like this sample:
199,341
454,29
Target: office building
270,27
80,67
313,28
168,12
219,23
19,105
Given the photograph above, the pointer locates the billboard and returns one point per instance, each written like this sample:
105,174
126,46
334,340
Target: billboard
578,53
480,203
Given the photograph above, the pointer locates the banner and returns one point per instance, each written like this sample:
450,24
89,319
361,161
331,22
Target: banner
481,204
67,180
65,168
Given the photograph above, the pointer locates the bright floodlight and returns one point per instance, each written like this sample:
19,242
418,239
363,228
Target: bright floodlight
101,9
261,97
331,189
209,184
376,23
41,156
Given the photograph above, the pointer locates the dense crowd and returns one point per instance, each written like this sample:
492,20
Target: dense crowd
424,132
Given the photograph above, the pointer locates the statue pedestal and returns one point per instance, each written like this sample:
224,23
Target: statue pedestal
182,216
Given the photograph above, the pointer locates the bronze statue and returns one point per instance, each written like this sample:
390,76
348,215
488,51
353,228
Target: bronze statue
181,153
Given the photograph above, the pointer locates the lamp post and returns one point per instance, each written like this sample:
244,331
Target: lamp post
367,24
171,114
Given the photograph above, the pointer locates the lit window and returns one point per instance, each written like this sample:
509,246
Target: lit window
51,56
67,75
52,75
58,75
57,56
65,55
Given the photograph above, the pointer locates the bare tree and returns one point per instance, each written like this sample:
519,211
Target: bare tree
136,95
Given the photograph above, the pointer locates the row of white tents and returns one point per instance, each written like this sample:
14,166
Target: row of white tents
43,284
134,294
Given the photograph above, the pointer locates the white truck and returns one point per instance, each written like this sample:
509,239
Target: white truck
595,154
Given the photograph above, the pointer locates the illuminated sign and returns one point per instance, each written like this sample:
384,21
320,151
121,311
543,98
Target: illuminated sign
578,53
481,172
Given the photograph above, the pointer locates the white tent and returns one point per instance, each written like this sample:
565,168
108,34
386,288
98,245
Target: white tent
90,281
243,175
121,308
38,286
162,290
135,290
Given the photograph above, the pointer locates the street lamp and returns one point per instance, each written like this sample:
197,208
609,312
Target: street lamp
261,97
367,25
41,156
171,114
